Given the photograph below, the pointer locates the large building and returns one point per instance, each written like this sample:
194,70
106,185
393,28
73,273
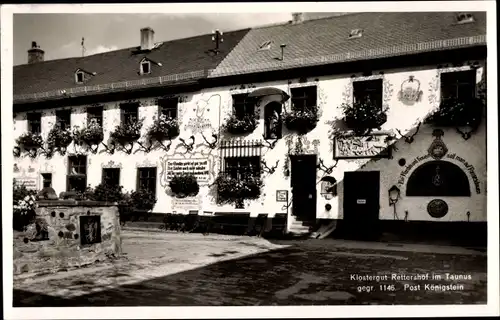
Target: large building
332,114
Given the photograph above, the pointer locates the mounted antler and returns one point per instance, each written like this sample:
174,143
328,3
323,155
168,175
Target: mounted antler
165,147
409,139
269,170
321,166
189,147
211,145
111,148
271,144
143,147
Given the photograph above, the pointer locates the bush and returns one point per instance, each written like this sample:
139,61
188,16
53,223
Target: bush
24,205
234,191
455,112
185,185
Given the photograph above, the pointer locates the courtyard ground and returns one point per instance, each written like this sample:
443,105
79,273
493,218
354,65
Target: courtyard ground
175,269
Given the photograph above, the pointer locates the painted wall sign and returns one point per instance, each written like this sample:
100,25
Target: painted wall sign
27,177
410,92
190,203
372,146
281,195
469,168
404,173
199,167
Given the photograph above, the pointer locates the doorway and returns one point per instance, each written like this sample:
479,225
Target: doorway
361,203
303,182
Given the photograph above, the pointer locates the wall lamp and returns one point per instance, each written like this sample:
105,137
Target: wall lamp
394,196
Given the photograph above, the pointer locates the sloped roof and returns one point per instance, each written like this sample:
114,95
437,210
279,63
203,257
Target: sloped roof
326,40
177,57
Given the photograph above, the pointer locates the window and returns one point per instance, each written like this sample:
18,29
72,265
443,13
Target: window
47,180
168,107
460,85
111,176
243,106
77,173
304,98
63,119
79,77
369,91
266,45
236,167
129,112
146,179
355,33
273,123
145,67
464,17
95,113
35,122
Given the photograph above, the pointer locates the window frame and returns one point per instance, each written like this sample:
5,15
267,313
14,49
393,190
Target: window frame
302,100
46,177
81,162
95,112
105,177
34,121
152,176
243,106
364,89
166,107
63,123
234,165
148,64
77,75
129,112
459,80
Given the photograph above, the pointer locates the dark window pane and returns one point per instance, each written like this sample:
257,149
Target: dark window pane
95,113
368,91
35,122
129,113
77,173
63,119
237,167
47,180
111,176
461,85
146,179
243,106
304,97
168,107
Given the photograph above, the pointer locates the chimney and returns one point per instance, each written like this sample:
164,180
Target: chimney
147,38
297,17
35,54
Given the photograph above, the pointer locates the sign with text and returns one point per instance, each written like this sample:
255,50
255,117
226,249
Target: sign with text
26,176
371,146
200,168
190,203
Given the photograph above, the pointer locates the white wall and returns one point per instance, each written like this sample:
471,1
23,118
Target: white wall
202,112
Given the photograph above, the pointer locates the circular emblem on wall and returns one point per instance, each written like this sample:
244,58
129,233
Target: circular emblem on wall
437,208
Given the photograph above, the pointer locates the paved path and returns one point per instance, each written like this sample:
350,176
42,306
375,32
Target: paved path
191,269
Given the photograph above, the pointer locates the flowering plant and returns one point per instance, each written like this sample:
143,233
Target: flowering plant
92,135
30,142
59,139
457,112
363,116
185,185
126,134
301,120
24,204
237,125
234,191
163,128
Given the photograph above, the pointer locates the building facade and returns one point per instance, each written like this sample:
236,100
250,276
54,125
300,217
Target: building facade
270,108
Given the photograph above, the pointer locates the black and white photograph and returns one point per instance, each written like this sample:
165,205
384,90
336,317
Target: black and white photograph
265,156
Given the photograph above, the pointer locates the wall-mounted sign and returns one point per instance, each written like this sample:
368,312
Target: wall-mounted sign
361,201
410,92
200,168
371,146
27,177
281,195
186,204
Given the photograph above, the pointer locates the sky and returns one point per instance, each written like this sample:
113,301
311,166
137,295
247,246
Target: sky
60,35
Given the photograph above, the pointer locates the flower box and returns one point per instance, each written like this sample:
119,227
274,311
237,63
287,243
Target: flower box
59,139
184,185
234,191
363,116
30,140
90,135
163,128
454,112
127,133
301,121
235,125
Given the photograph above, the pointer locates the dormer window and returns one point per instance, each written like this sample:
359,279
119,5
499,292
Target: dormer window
266,45
355,33
79,77
465,17
145,67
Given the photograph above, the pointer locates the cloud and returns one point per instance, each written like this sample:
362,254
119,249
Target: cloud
101,49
